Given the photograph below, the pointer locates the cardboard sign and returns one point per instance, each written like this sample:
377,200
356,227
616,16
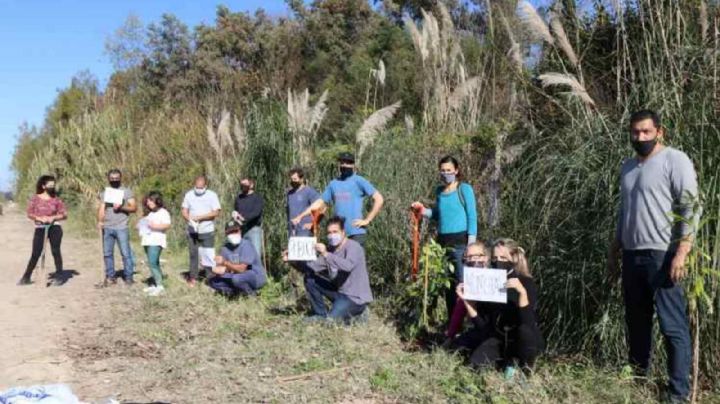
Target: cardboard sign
485,285
302,249
207,256
113,196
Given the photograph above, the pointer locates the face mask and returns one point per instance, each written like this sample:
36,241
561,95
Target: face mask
200,191
506,265
245,189
51,191
334,239
234,239
447,178
295,185
115,184
345,172
644,147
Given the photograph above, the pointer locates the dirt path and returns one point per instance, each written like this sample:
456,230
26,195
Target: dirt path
35,320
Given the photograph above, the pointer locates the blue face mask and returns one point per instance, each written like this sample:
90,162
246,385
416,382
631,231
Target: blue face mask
448,178
335,239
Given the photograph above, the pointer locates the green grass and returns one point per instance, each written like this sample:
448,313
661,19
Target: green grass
193,346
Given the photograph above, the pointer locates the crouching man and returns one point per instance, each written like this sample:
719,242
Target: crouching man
238,269
339,275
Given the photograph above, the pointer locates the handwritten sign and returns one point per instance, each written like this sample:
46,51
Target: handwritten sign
113,196
302,249
207,256
485,285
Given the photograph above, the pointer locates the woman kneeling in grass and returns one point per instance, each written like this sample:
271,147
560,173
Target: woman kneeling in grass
504,335
152,233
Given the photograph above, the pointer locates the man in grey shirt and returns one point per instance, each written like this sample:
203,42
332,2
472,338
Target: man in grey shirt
200,207
656,223
113,222
340,275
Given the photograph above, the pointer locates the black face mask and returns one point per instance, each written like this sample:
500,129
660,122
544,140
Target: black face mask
51,191
475,264
295,185
346,172
644,147
506,265
115,184
245,189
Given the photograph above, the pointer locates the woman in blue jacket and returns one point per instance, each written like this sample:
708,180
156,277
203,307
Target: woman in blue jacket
456,214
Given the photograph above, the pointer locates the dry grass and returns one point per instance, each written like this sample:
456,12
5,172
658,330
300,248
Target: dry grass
191,346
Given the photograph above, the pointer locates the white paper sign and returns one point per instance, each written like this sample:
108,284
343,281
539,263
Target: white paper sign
143,227
302,249
485,285
207,256
113,196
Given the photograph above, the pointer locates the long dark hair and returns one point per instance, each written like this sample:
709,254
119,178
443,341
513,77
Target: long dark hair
41,182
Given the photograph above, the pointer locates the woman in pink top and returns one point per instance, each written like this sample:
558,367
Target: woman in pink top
45,209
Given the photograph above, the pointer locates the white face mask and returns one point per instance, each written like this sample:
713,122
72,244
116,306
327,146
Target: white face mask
200,191
234,239
335,239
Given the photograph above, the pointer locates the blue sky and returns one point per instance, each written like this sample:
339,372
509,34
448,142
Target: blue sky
44,43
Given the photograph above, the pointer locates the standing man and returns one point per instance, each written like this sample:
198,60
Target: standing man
657,186
248,212
200,207
300,196
347,193
113,221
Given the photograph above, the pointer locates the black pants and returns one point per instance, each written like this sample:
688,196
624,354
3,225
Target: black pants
55,234
195,240
648,290
487,348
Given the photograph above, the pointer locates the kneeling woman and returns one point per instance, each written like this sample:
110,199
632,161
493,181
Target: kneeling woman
239,269
504,335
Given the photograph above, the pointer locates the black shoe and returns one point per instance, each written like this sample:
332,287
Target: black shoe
24,281
109,282
128,282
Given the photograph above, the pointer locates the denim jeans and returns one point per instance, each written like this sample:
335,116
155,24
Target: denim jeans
244,283
455,255
359,238
647,288
153,255
122,236
343,308
255,236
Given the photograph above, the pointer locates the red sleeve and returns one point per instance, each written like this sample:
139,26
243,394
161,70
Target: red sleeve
32,206
60,208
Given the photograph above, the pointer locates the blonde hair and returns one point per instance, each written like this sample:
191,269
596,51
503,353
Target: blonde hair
478,244
517,255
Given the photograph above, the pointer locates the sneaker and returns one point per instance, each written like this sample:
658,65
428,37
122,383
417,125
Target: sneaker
148,289
128,282
109,282
509,373
157,291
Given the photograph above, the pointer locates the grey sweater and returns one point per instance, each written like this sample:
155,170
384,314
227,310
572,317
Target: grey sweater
348,262
654,194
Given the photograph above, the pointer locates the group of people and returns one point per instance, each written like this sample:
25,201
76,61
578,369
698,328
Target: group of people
654,245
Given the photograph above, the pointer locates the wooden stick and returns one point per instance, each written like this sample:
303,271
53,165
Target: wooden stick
311,374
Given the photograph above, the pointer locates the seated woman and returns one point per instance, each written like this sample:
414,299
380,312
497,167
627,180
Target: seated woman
238,267
504,335
340,275
477,255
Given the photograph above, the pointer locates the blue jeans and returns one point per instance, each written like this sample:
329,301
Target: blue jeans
245,283
122,236
646,283
455,255
343,308
255,236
